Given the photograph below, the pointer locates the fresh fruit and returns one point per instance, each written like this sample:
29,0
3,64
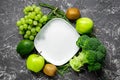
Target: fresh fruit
24,47
35,63
72,13
31,23
84,25
50,69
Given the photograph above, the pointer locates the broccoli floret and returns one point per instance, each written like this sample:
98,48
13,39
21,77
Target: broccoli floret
89,56
91,44
100,56
94,67
81,40
101,48
93,54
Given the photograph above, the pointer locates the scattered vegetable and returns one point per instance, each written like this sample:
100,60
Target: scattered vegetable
35,63
24,47
84,25
55,11
50,69
32,22
72,13
93,54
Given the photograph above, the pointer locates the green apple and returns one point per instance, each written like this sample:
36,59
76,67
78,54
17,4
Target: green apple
35,62
84,25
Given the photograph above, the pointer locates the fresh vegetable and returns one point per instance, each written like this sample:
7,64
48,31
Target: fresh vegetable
32,22
50,69
35,63
63,69
84,25
72,13
55,11
24,47
93,54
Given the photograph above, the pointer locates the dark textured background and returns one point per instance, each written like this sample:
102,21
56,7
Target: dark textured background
106,15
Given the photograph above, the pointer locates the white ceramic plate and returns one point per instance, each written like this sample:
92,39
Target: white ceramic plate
57,41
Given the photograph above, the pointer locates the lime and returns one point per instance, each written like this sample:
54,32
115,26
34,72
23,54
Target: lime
84,25
35,62
24,47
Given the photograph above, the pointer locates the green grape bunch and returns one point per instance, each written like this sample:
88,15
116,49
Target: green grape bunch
32,22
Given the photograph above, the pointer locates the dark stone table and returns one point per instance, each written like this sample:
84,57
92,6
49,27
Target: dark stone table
106,15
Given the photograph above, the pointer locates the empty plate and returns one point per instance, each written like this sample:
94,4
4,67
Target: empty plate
56,41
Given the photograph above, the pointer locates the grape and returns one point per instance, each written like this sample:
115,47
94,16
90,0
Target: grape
26,17
38,16
32,22
33,30
25,26
18,23
37,29
34,34
26,36
29,15
21,32
39,25
44,18
35,22
31,37
29,21
21,27
34,6
37,9
28,8
32,15
41,13
31,8
29,27
25,11
28,32
41,20
22,20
